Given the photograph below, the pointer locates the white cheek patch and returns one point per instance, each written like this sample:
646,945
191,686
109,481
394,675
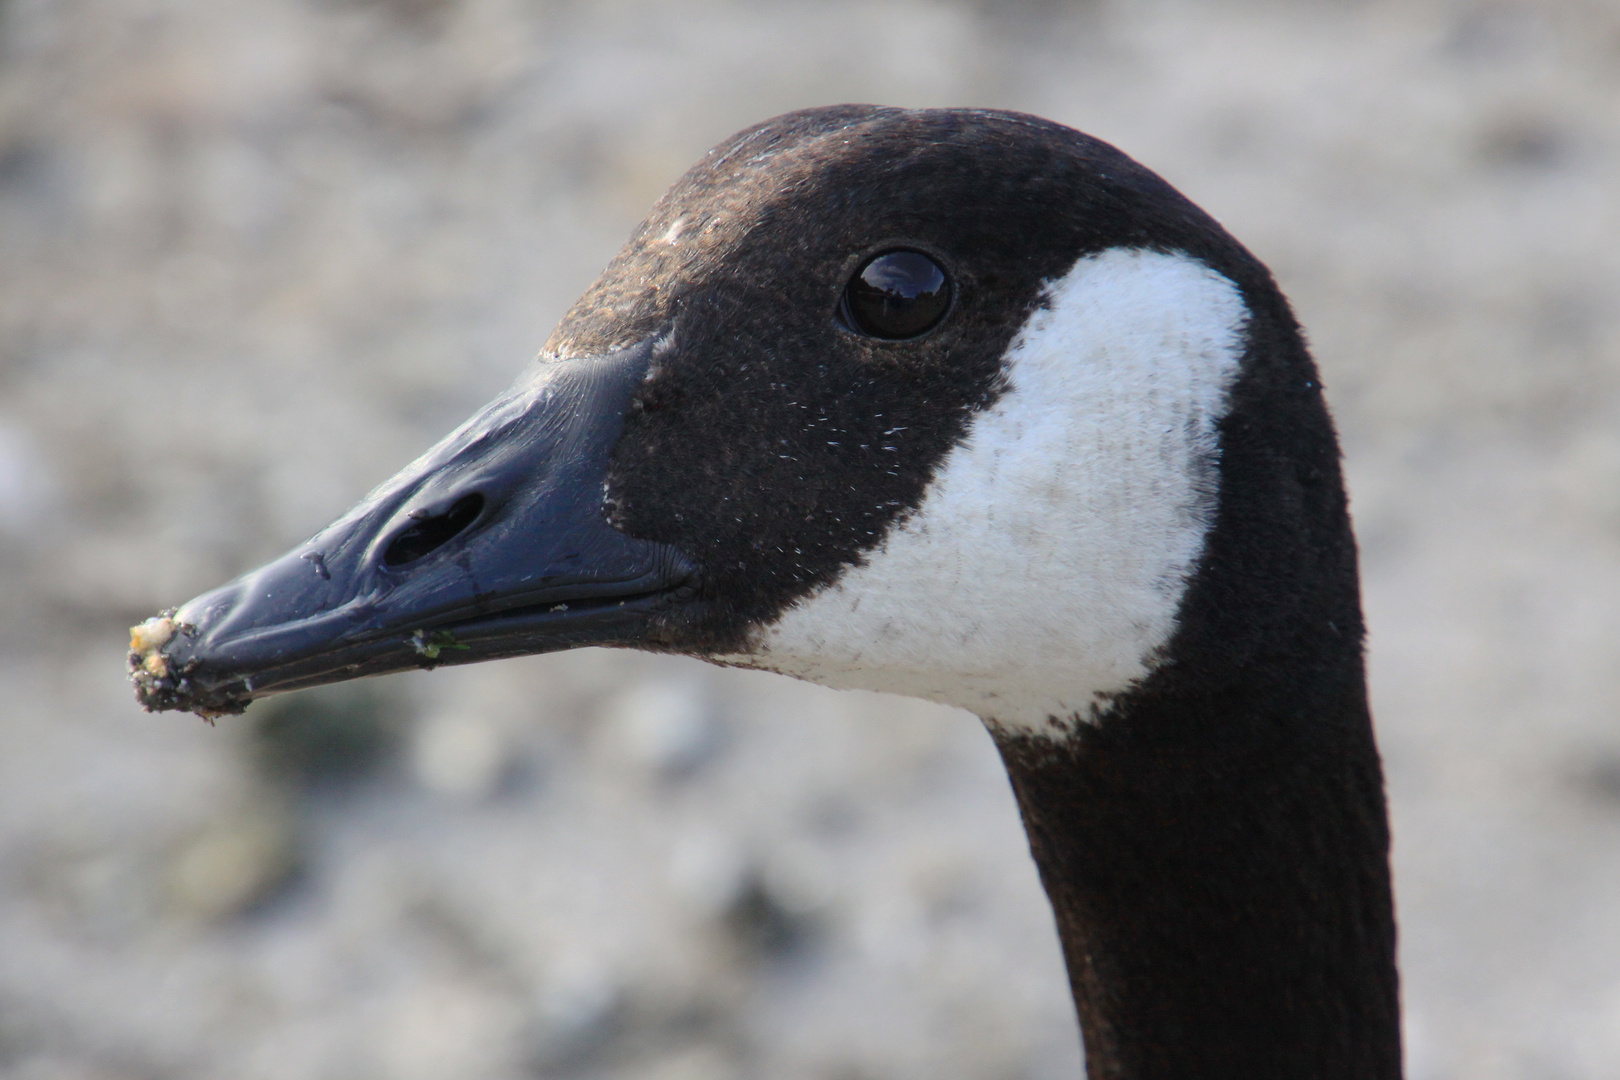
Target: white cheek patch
1046,565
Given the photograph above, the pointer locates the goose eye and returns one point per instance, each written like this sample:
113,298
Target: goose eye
899,294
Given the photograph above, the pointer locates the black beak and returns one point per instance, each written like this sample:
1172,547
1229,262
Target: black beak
492,544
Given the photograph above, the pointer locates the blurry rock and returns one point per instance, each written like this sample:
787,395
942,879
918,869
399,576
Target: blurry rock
769,906
330,736
669,727
579,1014
833,815
96,886
1598,778
944,881
235,863
460,753
1497,33
449,1029
28,492
1587,478
709,871
646,1029
1524,142
763,924
699,1062
801,882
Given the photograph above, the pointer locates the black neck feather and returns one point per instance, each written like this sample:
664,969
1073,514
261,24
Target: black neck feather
1219,871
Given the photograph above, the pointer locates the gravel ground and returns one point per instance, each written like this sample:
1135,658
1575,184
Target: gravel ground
255,254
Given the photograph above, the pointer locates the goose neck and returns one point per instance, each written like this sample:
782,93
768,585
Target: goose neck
1218,866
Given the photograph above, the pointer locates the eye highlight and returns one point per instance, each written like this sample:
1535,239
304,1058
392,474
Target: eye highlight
897,295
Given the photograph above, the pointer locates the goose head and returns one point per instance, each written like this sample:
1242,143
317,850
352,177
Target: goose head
963,405
927,402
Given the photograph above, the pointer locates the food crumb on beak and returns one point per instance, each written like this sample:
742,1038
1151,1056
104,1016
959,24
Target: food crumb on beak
152,635
148,665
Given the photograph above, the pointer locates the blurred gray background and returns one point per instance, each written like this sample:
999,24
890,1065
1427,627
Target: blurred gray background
256,254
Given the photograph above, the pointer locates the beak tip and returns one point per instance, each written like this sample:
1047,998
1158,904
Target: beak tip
161,677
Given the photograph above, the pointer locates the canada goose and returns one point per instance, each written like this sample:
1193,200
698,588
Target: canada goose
964,405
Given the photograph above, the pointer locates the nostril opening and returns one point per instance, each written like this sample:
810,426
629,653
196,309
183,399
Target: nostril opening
431,533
